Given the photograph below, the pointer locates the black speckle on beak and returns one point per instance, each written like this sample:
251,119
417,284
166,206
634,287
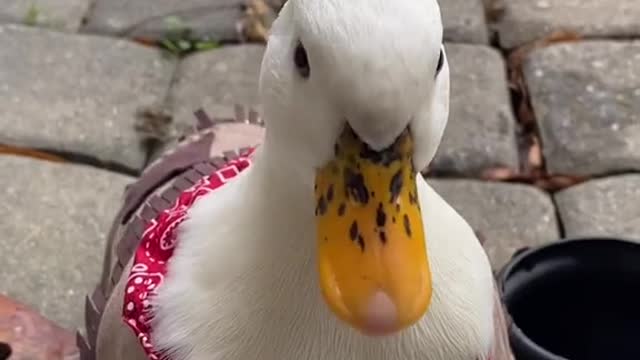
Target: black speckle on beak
395,186
355,236
355,186
361,243
353,231
384,157
321,207
407,225
330,193
413,198
341,209
381,216
383,237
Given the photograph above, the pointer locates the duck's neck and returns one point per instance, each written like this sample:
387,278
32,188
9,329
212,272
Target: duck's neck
282,175
282,191
283,172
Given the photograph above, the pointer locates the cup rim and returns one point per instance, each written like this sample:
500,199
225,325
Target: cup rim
526,251
515,332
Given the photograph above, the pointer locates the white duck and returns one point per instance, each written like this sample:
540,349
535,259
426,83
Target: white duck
356,97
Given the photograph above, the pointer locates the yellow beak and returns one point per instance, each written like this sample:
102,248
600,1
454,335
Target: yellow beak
373,263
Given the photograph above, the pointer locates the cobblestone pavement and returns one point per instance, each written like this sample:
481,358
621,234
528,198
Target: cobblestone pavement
543,140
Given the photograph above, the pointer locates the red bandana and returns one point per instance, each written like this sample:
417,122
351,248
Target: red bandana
156,248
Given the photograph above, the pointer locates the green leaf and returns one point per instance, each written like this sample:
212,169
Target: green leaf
169,45
206,45
184,45
32,15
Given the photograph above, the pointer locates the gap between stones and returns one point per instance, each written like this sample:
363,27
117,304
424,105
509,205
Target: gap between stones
83,159
556,210
62,157
532,170
528,134
252,27
87,14
163,115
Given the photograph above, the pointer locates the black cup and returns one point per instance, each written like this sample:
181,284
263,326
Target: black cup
574,300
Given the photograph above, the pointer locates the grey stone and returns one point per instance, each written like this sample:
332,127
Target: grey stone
54,219
64,15
481,129
527,20
216,80
509,216
77,94
586,98
464,21
603,207
215,19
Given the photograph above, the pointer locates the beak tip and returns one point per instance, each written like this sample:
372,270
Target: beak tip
381,315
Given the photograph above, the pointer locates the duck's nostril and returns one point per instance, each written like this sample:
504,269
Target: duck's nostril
5,351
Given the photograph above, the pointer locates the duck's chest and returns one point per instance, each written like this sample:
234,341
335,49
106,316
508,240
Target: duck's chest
275,335
282,316
234,292
252,299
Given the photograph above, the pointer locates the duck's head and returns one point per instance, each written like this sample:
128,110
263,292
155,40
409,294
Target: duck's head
356,91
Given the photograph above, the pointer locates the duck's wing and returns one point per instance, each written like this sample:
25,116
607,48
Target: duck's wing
175,168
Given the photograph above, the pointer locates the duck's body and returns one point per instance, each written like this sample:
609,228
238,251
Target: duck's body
268,308
266,299
330,234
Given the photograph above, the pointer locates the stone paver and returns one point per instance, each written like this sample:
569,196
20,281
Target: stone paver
527,20
608,207
62,15
217,19
54,220
216,80
464,21
586,97
509,216
481,128
77,94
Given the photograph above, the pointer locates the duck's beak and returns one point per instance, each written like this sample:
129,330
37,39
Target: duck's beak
373,264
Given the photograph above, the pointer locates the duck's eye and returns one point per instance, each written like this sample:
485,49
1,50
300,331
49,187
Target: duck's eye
440,62
301,61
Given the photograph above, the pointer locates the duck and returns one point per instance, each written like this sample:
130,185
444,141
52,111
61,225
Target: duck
320,239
